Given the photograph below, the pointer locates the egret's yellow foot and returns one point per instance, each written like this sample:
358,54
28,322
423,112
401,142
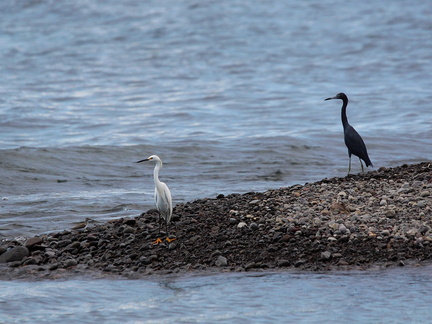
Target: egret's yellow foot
157,241
170,239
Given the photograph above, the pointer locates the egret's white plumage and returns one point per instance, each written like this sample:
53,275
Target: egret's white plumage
162,193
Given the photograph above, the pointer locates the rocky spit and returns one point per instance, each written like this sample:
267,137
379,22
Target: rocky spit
378,219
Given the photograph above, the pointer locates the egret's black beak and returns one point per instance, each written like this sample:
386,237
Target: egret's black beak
143,160
329,98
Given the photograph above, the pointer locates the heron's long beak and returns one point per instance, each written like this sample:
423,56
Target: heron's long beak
143,160
329,98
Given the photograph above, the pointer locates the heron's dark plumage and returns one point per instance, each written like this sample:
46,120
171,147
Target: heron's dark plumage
353,140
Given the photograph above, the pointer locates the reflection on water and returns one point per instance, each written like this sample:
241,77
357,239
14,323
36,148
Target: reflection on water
398,296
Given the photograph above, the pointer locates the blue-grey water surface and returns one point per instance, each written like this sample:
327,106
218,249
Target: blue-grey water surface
392,296
230,94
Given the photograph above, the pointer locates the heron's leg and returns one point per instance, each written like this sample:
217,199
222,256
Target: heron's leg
361,165
349,165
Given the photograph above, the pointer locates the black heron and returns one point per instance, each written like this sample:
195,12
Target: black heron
353,140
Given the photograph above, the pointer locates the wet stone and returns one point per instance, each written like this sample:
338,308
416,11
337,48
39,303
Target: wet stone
70,263
33,241
325,256
283,263
221,261
15,254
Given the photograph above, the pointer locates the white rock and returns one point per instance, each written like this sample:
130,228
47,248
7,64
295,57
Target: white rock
241,224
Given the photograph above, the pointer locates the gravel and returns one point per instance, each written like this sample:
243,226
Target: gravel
378,219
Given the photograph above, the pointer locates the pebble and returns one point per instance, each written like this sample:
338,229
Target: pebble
422,204
283,263
128,230
70,263
221,261
250,265
50,254
233,221
325,256
15,254
339,222
425,193
33,241
343,229
390,213
253,226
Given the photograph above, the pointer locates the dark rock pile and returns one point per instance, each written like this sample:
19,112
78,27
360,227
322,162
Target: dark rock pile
380,218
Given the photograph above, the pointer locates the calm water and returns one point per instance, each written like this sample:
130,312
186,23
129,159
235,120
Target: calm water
230,94
392,296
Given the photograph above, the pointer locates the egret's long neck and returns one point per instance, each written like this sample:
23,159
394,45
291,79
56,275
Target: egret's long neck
156,171
343,113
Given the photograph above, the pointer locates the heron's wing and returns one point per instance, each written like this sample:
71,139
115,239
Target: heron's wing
355,143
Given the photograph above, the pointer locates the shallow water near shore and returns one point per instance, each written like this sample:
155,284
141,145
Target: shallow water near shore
399,295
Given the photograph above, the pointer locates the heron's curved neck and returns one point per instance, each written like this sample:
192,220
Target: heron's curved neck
343,113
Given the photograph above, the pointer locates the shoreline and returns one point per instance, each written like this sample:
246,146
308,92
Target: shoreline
375,220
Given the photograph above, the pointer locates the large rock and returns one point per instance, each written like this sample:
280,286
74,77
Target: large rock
33,241
15,254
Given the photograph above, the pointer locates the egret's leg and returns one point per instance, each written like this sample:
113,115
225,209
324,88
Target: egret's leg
361,165
158,240
160,220
168,238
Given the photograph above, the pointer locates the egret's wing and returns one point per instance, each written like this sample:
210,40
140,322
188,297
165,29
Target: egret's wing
164,201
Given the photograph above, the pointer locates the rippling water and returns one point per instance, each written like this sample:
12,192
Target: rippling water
230,94
391,296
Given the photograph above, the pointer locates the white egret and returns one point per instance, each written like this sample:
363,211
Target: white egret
162,196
